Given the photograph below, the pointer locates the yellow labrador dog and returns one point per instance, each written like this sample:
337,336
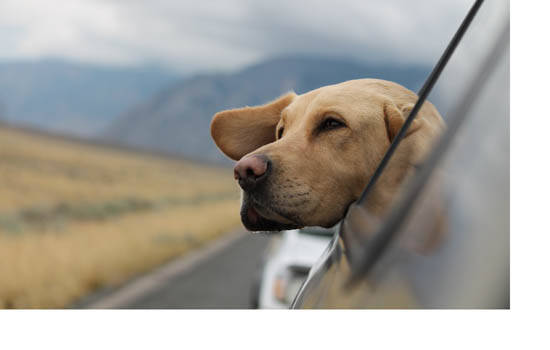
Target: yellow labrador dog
303,159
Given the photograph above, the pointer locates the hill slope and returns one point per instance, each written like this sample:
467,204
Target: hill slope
70,97
177,119
75,217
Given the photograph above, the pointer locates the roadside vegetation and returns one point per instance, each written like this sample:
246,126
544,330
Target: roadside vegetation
76,217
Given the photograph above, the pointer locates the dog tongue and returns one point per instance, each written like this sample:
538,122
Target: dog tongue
252,215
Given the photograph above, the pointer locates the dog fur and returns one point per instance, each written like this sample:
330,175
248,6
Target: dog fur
324,146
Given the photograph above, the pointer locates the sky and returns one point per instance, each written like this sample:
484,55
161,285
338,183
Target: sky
226,35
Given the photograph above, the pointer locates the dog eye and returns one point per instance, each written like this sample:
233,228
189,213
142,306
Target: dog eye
330,124
280,133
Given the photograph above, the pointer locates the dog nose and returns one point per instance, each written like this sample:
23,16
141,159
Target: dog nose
252,170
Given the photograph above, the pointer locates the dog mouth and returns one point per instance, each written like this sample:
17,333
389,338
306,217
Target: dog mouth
258,217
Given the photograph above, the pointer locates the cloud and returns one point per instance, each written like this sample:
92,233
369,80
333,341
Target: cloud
190,35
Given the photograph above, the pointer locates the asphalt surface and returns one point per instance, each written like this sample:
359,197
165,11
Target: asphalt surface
223,280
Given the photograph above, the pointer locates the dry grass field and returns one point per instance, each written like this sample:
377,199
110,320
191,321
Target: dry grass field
75,217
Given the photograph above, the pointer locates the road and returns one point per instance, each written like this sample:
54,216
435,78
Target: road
219,276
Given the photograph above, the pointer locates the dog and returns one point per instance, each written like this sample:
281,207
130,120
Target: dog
303,159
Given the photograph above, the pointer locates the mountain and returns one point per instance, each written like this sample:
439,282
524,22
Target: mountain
73,98
177,119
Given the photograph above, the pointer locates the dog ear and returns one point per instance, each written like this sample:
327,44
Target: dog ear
395,117
240,131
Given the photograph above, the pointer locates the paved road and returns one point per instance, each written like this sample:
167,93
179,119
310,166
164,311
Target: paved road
221,278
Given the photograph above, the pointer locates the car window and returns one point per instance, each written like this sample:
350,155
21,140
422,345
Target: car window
453,247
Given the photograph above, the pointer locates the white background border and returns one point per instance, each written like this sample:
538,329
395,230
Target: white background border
524,326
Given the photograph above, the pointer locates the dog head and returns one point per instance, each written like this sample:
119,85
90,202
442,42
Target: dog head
303,159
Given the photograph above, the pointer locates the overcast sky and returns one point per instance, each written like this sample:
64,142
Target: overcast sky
221,35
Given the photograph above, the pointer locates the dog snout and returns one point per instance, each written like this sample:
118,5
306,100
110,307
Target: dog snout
251,171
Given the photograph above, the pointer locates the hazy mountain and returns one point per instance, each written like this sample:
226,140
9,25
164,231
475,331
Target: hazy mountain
177,119
73,98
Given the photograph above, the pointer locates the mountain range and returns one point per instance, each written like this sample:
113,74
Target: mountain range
159,110
74,98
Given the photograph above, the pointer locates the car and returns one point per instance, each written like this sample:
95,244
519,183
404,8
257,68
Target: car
286,264
445,243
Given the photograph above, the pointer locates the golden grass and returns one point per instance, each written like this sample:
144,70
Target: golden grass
75,217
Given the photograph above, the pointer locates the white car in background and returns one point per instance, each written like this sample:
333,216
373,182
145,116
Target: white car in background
287,262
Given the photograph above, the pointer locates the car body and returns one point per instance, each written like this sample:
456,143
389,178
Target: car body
445,242
286,265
